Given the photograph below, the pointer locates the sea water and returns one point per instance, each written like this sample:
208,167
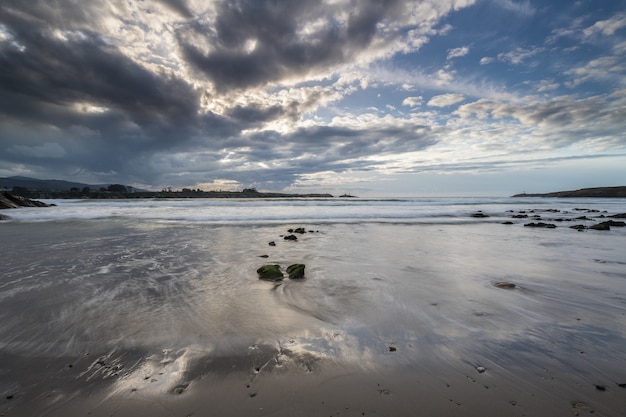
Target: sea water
177,279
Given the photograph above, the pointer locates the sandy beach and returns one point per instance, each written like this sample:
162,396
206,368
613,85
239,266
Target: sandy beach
119,317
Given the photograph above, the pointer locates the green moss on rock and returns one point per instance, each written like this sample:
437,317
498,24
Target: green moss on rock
296,271
270,273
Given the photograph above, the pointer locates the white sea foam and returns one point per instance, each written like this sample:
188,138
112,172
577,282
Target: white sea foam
272,211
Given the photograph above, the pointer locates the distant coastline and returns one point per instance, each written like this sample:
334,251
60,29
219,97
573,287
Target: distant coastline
33,188
596,192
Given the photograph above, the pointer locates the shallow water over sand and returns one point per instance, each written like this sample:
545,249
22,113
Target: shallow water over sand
126,305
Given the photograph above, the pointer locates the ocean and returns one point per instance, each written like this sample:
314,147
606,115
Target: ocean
106,298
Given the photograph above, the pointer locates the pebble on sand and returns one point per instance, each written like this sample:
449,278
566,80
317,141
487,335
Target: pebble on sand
504,284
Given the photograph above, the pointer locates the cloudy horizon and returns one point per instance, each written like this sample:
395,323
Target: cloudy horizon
370,97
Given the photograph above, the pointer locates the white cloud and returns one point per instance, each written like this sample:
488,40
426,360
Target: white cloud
620,48
445,100
546,85
519,55
486,60
607,27
524,7
412,101
604,68
458,52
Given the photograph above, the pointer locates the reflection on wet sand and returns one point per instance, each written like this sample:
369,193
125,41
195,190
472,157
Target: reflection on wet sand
172,320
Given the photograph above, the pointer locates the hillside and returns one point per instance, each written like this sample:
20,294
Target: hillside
44,185
597,192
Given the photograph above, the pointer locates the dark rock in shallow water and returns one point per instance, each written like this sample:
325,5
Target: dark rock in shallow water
272,243
613,223
291,237
296,271
270,273
579,227
3,217
300,230
541,224
600,226
619,216
508,223
479,214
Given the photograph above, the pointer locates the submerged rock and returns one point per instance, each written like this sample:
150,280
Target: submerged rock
619,216
270,273
296,271
579,227
291,237
600,226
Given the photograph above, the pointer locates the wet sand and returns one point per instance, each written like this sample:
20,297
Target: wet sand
120,319
273,383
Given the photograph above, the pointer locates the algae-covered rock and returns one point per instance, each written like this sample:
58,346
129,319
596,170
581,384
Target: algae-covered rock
270,273
295,271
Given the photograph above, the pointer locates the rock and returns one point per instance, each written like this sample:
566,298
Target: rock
613,223
12,201
600,226
296,271
300,230
504,284
519,216
3,217
272,243
508,223
291,237
480,369
579,227
270,273
619,216
541,224
264,256
392,349
179,389
479,214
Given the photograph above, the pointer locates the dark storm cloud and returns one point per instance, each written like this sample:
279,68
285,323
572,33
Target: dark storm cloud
87,69
257,42
179,6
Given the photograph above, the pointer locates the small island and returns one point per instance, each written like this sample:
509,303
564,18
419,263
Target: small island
597,192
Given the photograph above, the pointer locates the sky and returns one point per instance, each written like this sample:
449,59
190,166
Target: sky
367,97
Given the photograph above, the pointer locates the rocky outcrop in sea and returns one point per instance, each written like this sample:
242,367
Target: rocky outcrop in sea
8,201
